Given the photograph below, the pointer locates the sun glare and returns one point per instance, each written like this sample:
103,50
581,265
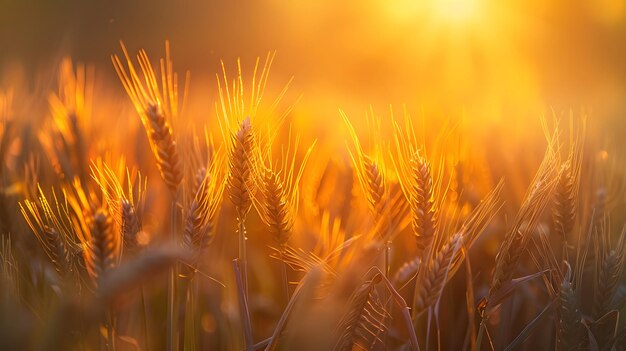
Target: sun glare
456,12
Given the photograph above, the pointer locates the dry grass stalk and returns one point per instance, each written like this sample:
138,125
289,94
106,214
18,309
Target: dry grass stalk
157,106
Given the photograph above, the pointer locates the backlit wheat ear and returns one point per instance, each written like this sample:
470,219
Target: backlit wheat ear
164,147
50,222
157,106
278,184
240,182
362,324
124,193
369,167
422,201
376,185
276,211
431,286
131,225
58,252
198,231
102,252
566,191
419,182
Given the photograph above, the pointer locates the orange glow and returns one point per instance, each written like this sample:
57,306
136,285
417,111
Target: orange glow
324,175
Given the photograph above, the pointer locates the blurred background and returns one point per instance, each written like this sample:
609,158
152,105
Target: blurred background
508,62
491,68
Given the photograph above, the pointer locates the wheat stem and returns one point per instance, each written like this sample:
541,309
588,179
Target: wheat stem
172,320
243,306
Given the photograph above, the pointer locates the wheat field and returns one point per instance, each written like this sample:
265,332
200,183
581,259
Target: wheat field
132,219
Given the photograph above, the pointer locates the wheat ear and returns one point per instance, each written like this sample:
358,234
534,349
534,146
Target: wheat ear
424,213
57,251
362,318
240,164
157,106
436,274
102,252
607,281
570,328
564,210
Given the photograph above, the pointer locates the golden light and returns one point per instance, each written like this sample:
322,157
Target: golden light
456,12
